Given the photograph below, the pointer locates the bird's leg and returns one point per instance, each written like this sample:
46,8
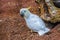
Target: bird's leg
31,31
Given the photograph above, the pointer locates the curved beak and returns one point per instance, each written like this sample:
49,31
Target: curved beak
22,15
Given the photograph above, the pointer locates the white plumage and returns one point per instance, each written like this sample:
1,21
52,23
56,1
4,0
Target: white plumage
34,22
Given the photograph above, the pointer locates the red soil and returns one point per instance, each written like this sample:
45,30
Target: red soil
13,26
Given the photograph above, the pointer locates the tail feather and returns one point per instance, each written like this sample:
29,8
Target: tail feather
42,32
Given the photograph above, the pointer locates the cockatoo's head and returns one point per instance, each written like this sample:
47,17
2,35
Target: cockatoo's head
24,12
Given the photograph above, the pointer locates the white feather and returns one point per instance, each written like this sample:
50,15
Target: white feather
35,23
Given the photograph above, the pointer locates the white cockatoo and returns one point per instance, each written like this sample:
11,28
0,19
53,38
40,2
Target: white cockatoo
34,22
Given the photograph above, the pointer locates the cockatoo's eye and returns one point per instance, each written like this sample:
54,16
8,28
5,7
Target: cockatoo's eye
24,11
